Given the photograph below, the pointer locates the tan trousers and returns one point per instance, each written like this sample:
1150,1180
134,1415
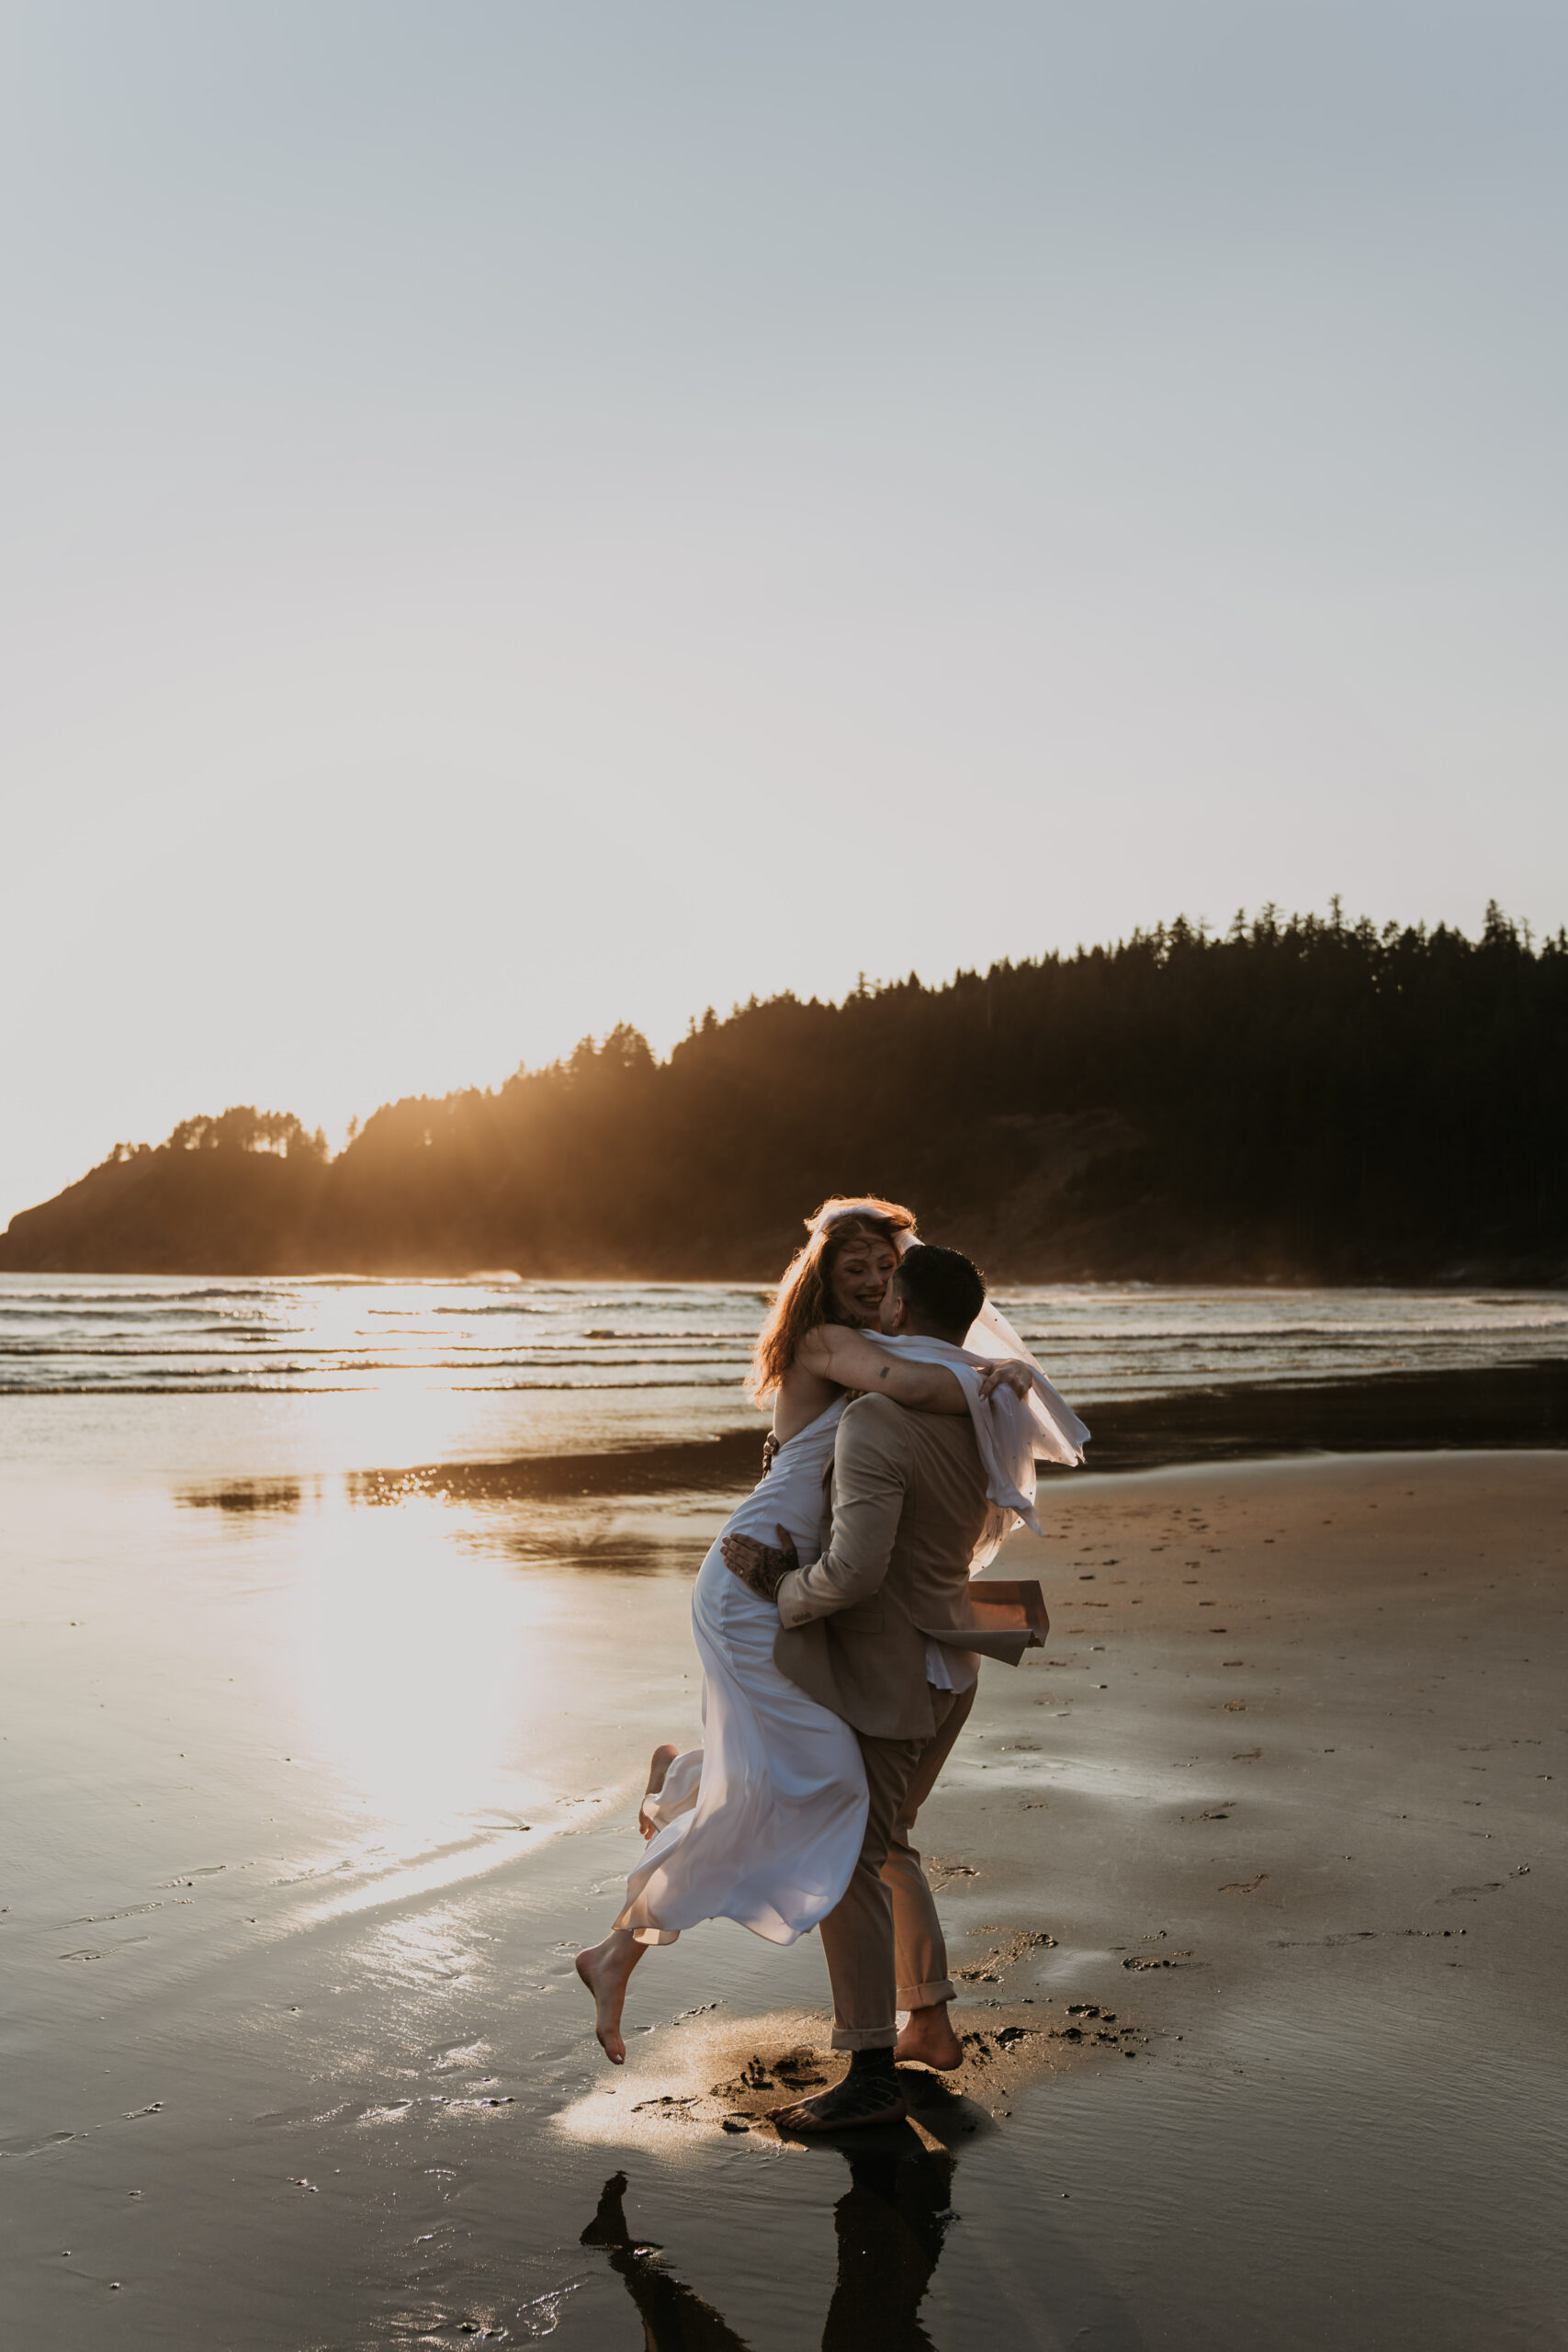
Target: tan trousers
883,1940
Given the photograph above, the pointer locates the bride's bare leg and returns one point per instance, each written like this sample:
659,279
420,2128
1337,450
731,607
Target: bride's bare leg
605,1969
658,1767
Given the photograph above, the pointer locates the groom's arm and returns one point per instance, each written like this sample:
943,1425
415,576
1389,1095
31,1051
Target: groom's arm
871,1479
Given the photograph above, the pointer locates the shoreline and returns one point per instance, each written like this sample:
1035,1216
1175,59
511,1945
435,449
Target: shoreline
1507,1409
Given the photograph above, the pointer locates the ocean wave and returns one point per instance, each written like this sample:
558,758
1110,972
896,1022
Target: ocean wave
309,1383
336,1334
722,1337
150,1316
190,1384
1253,1334
512,1309
133,1297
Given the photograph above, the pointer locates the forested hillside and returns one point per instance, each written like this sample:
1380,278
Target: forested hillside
1298,1098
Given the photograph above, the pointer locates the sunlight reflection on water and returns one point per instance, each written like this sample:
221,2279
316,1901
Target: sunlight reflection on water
420,1660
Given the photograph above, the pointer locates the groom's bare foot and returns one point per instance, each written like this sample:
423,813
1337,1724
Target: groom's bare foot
605,1969
862,2098
929,2040
657,1771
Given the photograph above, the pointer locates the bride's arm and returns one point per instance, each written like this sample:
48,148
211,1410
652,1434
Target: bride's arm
853,1359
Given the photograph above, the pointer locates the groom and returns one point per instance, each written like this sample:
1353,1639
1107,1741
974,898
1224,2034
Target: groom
878,1630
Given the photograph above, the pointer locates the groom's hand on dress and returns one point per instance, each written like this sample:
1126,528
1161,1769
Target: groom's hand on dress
760,1569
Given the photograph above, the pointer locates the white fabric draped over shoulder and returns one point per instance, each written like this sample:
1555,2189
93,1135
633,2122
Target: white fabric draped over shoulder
1058,1434
1006,1431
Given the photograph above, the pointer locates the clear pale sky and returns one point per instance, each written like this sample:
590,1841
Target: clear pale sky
524,517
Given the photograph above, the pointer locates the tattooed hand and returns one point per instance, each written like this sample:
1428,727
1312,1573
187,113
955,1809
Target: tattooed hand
760,1569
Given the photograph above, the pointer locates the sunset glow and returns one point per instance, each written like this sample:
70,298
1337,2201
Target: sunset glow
554,555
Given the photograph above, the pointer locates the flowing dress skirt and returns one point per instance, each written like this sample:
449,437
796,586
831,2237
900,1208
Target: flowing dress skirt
763,1823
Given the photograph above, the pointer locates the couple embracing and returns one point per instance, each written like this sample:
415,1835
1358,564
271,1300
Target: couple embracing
839,1653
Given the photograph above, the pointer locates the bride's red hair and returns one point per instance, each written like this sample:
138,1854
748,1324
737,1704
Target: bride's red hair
805,1294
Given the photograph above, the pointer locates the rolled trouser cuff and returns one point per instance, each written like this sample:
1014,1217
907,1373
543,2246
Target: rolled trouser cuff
926,1997
865,2037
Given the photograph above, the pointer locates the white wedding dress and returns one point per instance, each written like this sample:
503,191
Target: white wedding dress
763,1823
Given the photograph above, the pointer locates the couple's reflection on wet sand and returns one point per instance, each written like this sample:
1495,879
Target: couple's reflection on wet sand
890,2222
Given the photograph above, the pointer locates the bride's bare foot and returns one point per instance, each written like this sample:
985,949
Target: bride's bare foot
929,2039
658,1767
605,1969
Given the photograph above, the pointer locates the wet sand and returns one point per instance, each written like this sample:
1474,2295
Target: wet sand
1253,1879
1505,1405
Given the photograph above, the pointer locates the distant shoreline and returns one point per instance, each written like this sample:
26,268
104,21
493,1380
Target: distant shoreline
1477,1275
1514,1408
1501,1408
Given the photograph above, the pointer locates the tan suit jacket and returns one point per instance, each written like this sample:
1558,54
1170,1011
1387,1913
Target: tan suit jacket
906,1499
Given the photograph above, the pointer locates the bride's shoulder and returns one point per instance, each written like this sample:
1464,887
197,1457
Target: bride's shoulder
814,1350
803,1395
836,1350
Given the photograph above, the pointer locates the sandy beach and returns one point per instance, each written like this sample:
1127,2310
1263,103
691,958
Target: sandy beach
1254,1877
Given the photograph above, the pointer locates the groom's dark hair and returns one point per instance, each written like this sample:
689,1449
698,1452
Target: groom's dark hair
941,1288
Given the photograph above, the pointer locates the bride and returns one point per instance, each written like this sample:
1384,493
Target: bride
763,1823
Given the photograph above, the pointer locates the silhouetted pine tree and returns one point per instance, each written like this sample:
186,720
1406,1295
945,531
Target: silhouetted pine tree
1301,1097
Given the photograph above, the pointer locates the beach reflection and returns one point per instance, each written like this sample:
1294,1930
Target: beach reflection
424,1664
890,2224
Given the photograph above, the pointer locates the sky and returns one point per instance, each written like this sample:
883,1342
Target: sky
520,518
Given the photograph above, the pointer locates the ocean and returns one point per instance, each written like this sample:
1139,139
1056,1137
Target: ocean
687,1343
